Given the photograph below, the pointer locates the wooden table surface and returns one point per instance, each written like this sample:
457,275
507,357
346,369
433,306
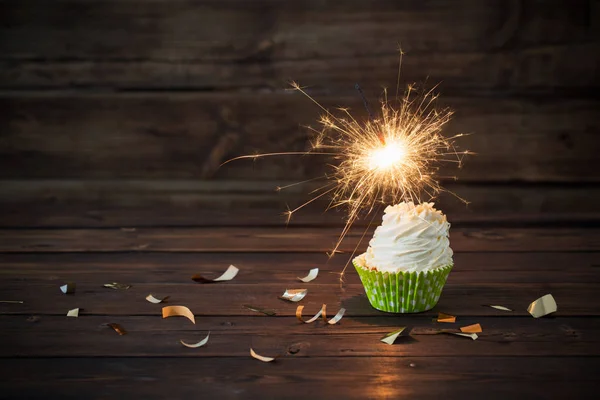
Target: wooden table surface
45,354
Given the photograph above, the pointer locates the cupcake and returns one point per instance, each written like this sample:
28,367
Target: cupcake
408,260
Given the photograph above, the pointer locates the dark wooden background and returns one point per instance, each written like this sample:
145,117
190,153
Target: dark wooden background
114,118
110,108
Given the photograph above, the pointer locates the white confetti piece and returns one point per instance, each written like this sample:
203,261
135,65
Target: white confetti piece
312,274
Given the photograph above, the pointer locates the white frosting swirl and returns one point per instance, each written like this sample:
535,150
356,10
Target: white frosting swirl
410,238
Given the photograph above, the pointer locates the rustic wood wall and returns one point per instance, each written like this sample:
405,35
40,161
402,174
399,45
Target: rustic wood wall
110,108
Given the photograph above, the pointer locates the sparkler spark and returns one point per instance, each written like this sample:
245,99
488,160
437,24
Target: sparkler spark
393,156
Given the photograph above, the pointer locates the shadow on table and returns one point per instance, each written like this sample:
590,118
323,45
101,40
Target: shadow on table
388,322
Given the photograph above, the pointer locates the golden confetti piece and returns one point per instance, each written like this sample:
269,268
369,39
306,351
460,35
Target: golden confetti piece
73,313
261,358
270,313
469,335
12,301
501,308
446,318
312,274
196,345
294,295
475,328
543,306
128,229
117,286
117,328
322,312
178,311
337,317
69,288
227,276
155,300
391,337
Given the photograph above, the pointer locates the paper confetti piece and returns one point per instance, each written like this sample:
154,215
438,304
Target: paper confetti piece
73,313
322,312
196,345
543,306
294,295
12,301
226,276
502,308
475,328
270,313
118,328
469,335
337,317
446,318
391,337
155,300
261,358
178,311
117,286
312,274
69,288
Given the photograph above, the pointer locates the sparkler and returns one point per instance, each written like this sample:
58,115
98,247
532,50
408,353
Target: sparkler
394,156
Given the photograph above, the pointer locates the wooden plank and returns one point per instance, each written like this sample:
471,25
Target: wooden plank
78,204
490,47
258,268
353,337
267,29
353,378
564,69
257,239
187,135
574,299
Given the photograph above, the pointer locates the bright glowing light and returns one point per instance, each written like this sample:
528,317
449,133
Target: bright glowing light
390,155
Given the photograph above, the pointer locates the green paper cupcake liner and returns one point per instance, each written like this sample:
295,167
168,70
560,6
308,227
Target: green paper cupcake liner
403,292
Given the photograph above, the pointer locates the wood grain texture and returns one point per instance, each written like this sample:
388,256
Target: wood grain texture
352,337
226,30
563,69
359,378
575,299
116,204
93,137
490,46
245,239
258,268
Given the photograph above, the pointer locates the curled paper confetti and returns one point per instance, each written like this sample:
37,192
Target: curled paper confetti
155,300
117,286
446,318
337,317
475,328
312,274
270,313
294,295
178,311
227,276
261,358
118,328
196,345
73,313
391,337
322,312
501,308
469,335
543,306
69,288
